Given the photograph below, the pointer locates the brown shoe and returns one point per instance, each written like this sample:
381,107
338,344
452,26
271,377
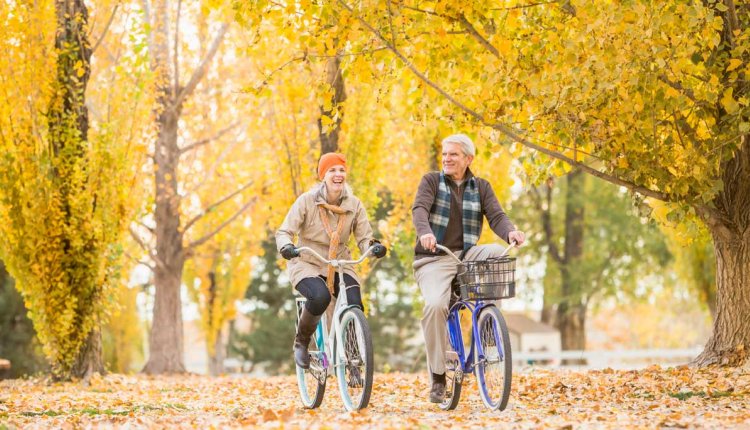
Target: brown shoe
437,392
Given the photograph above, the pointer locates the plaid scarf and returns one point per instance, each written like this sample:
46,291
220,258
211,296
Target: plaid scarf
472,212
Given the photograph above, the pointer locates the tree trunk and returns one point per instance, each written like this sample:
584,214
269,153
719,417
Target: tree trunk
571,321
216,360
68,135
89,360
166,351
549,311
729,224
571,311
329,138
730,340
730,228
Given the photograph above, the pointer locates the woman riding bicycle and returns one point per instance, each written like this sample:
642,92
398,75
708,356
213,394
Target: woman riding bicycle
448,210
323,219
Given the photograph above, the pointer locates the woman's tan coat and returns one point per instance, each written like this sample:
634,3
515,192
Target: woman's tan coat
303,220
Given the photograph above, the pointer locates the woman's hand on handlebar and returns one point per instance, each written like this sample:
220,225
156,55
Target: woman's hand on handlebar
289,251
377,248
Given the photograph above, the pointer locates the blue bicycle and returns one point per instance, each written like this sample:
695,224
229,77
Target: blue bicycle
479,284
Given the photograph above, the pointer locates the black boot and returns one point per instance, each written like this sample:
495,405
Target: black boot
305,328
437,391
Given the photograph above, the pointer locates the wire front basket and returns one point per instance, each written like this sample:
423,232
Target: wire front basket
490,279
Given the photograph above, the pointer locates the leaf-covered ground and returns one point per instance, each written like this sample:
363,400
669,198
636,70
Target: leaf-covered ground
649,398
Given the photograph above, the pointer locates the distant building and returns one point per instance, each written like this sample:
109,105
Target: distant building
527,335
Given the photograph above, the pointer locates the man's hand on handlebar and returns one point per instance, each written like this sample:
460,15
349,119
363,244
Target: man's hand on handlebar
516,236
289,251
428,242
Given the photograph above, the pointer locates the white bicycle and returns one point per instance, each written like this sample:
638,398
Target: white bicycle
343,346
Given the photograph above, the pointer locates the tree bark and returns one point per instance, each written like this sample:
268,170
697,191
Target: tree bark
572,325
329,139
549,311
730,227
89,360
166,351
216,360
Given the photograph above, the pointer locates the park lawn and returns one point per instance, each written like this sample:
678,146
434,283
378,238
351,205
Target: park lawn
649,398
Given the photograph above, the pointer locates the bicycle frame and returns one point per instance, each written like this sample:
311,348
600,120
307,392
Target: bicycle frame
454,326
325,335
456,336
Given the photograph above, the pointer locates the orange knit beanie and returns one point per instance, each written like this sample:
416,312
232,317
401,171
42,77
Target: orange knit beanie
329,160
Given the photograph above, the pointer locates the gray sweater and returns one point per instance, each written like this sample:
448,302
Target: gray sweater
454,234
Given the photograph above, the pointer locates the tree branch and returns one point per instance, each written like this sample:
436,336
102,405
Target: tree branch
507,131
150,229
146,248
475,34
208,236
678,86
731,17
209,139
214,205
106,29
547,221
176,53
525,6
135,260
200,71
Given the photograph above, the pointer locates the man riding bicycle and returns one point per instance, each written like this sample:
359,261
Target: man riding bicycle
448,210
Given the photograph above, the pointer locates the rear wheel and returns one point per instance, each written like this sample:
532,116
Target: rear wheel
453,377
453,369
494,367
354,373
312,381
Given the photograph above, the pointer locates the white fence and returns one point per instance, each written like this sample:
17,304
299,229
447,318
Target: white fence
610,358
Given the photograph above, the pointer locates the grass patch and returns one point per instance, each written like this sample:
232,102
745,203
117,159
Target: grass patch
718,393
42,413
684,395
92,412
109,412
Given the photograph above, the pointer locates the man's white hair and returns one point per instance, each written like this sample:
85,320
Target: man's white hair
461,139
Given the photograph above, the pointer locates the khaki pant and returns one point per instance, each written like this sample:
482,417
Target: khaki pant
434,276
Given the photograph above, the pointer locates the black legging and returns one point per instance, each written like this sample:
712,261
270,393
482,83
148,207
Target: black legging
317,295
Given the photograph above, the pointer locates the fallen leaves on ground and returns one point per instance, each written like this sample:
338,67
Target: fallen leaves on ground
541,398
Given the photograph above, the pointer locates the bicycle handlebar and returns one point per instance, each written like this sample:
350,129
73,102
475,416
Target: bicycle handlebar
336,262
449,252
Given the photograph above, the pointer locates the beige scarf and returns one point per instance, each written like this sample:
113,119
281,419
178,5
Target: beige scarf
334,235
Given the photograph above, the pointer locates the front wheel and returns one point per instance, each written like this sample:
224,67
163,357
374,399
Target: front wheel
493,363
354,371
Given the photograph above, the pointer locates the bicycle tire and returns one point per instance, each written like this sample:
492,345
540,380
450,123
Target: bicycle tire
495,368
453,374
355,376
312,381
